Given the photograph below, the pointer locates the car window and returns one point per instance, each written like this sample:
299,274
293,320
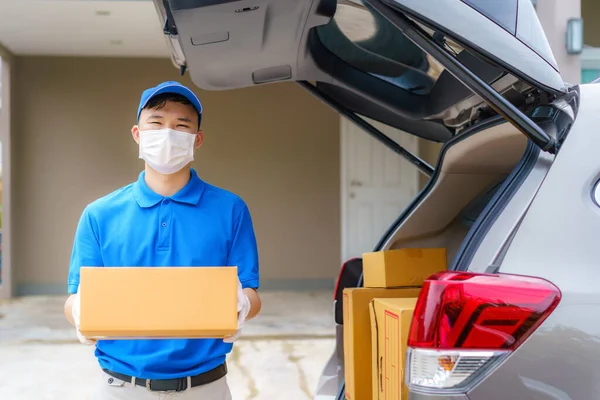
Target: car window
502,12
519,21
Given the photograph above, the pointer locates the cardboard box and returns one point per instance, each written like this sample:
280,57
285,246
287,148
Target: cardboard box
402,267
158,302
358,368
390,327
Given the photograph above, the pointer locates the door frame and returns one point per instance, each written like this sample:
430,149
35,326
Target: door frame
6,286
344,160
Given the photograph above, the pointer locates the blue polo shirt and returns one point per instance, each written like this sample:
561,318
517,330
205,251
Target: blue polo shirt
201,225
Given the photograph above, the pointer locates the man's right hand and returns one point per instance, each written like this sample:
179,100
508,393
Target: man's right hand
76,314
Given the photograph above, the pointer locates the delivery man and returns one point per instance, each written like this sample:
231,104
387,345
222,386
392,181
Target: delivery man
168,217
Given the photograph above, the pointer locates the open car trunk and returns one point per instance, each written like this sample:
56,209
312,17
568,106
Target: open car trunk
421,67
476,178
476,75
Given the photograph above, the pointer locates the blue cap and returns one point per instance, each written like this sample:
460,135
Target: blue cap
170,87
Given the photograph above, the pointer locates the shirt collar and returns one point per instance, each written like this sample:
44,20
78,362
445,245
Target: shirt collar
189,194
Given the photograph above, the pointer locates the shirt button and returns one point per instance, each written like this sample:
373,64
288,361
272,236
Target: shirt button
167,201
164,224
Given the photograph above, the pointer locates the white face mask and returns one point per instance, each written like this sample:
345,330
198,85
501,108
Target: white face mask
166,150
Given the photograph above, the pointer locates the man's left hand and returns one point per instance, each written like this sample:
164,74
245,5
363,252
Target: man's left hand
243,307
76,312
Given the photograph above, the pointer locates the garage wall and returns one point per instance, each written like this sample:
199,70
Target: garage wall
275,145
590,10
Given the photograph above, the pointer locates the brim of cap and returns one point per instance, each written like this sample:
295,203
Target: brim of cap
182,90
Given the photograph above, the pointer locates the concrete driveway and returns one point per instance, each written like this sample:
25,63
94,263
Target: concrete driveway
280,356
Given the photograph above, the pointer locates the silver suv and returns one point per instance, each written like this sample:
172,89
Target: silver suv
514,186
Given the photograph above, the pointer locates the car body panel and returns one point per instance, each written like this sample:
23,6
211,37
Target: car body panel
227,44
564,204
558,362
328,386
508,221
557,241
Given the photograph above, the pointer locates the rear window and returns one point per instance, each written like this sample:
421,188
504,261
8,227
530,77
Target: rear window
502,12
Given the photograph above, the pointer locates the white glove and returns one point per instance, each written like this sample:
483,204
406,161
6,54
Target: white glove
243,310
76,311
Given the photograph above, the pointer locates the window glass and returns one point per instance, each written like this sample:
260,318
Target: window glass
531,32
502,12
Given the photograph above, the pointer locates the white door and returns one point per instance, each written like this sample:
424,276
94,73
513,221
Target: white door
377,184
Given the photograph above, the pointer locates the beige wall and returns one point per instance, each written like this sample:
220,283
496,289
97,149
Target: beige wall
276,146
590,10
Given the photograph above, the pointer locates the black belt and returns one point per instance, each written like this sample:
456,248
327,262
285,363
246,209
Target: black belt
178,384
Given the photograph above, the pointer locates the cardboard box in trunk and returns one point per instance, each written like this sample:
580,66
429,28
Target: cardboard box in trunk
390,327
358,362
158,302
402,267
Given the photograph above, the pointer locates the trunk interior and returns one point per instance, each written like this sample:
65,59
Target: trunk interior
469,171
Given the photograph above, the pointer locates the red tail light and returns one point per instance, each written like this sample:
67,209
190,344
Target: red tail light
337,282
464,322
337,292
469,311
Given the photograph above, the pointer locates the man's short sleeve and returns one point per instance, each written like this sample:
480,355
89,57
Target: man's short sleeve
243,252
86,249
